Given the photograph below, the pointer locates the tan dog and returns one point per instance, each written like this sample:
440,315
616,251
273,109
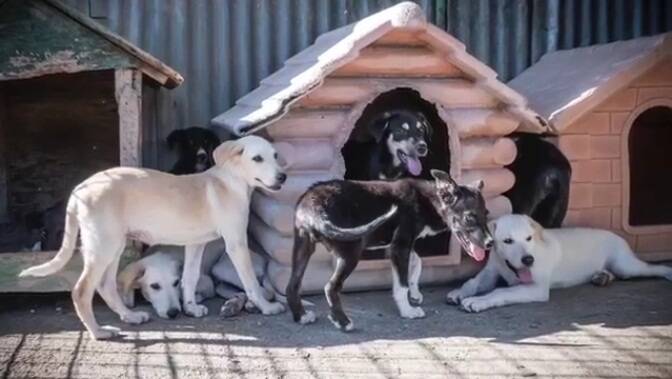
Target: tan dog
159,208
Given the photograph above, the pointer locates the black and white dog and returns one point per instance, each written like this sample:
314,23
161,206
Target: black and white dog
399,142
350,216
194,148
543,176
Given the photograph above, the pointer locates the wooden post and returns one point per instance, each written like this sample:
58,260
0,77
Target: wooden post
4,202
128,92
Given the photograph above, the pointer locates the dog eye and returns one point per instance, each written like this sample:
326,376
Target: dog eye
176,283
155,286
529,238
275,156
508,241
258,158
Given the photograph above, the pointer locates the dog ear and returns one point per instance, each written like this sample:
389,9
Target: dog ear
443,179
128,282
379,125
427,128
492,226
477,185
175,138
538,229
227,151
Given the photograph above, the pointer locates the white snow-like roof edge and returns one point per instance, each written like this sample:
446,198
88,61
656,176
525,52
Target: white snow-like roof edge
565,85
306,71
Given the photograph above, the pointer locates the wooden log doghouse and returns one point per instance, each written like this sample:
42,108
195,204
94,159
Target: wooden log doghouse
311,107
612,108
71,104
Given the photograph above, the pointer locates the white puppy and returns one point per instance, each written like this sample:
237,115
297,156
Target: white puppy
532,260
160,208
158,276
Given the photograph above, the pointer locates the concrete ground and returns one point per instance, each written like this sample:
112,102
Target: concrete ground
621,331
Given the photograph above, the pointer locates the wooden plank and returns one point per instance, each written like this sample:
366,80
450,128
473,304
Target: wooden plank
12,263
307,124
128,92
487,152
400,38
399,61
3,160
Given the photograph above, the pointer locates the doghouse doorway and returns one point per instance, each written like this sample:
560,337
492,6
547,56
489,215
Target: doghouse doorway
356,153
650,151
56,131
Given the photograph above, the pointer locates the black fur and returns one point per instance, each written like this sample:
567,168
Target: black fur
50,224
349,216
187,143
543,176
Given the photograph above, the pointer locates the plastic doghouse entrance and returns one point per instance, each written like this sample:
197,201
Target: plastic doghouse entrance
357,152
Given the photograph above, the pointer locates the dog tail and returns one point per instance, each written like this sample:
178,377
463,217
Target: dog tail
67,246
350,234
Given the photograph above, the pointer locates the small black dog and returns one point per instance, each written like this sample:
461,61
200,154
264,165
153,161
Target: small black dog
50,224
194,147
399,142
543,176
349,216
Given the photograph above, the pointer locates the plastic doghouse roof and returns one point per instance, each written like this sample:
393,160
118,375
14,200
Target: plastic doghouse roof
306,71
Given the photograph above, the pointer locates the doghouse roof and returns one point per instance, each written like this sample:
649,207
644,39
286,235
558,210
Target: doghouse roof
41,37
564,85
306,71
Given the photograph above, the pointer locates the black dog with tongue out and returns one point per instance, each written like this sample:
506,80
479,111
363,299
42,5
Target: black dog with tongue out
351,216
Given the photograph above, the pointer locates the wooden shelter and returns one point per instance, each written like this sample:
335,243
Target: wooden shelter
310,107
611,106
73,100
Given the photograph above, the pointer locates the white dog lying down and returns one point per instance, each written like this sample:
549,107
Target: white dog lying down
532,260
158,274
159,208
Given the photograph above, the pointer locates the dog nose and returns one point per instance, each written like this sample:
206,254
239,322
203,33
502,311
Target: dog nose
527,260
281,177
422,148
172,313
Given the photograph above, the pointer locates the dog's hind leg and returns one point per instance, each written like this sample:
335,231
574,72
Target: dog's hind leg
626,265
415,270
345,265
304,247
110,293
602,278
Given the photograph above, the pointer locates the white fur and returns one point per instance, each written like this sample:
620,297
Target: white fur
160,208
400,294
562,258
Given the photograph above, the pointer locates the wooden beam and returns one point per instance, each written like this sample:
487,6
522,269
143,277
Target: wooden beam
128,92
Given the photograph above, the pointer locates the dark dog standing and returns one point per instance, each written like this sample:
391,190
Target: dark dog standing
194,148
348,216
543,176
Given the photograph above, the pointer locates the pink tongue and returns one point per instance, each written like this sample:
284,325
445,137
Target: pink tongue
414,166
525,276
477,253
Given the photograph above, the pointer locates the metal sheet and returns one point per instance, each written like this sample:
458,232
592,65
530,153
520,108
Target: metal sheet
225,47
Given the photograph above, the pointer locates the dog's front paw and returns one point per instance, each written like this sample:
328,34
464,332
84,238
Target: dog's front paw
415,297
195,310
135,317
105,332
345,325
307,318
454,297
474,304
273,308
413,312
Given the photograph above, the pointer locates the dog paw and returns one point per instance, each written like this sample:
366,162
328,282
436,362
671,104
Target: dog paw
232,307
346,326
273,308
135,317
602,278
415,297
413,312
307,318
105,332
474,305
195,310
453,297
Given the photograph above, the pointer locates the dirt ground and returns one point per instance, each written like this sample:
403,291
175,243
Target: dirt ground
621,331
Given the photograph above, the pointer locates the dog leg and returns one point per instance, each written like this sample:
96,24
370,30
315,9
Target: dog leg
484,281
627,265
240,257
414,279
524,293
193,254
602,278
109,292
344,267
400,294
83,291
303,249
